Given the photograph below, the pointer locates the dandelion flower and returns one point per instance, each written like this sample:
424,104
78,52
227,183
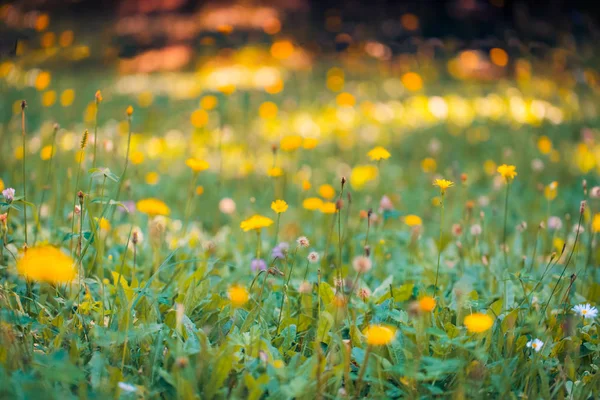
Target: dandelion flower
275,172
47,264
256,222
508,172
238,295
586,311
303,241
291,143
535,344
227,206
153,207
443,184
478,322
313,257
310,143
427,303
312,203
328,208
197,165
279,206
327,191
362,264
129,111
413,220
378,153
379,335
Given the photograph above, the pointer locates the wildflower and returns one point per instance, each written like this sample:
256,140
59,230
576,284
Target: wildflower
129,111
256,222
312,203
328,208
535,344
9,194
327,191
456,229
413,220
227,206
291,143
508,172
98,97
313,257
537,165
305,287
199,190
47,264
364,293
595,192
77,209
443,184
427,303
551,190
362,264
238,295
478,322
379,335
305,185
476,230
279,206
279,251
197,165
103,223
153,207
386,203
596,223
275,172
310,143
362,174
3,219
303,241
378,153
258,264
586,310
554,223
1,184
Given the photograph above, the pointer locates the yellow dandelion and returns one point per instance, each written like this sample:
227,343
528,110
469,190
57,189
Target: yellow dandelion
328,208
152,178
137,157
362,174
378,153
427,303
478,322
103,224
152,207
312,203
327,191
443,184
238,295
508,172
306,185
256,222
279,206
275,172
310,143
428,165
46,152
197,165
551,190
2,185
596,223
47,264
291,143
379,335
413,220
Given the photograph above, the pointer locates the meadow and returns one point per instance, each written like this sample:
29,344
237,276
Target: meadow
272,225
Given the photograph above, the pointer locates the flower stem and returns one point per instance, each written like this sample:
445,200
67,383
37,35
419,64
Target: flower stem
437,272
23,105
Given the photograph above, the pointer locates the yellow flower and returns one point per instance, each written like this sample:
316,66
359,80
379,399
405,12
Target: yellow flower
379,153
544,145
291,143
306,185
1,185
551,190
103,223
427,303
137,157
238,295
310,143
197,165
443,184
256,222
275,172
326,191
508,172
152,178
47,264
46,152
428,165
199,190
413,220
328,208
362,174
279,206
98,97
209,102
129,111
312,203
596,223
478,322
379,335
153,207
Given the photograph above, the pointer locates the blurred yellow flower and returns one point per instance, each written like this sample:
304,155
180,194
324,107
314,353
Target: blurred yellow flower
544,145
345,100
379,335
199,118
129,111
49,98
209,102
152,207
428,165
256,222
46,152
327,191
310,143
508,172
312,203
478,322
197,165
443,184
362,174
152,178
103,224
137,157
291,143
489,167
98,97
199,190
427,303
1,185
19,153
267,110
328,208
67,97
275,172
378,153
551,190
238,295
279,206
413,220
306,185
596,223
412,81
47,264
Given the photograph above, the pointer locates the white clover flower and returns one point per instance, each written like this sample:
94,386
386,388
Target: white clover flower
535,344
313,257
586,311
303,241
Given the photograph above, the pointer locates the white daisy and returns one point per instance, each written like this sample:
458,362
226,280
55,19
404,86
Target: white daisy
586,310
535,344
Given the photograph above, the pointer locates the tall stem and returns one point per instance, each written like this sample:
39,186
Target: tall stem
23,105
437,272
